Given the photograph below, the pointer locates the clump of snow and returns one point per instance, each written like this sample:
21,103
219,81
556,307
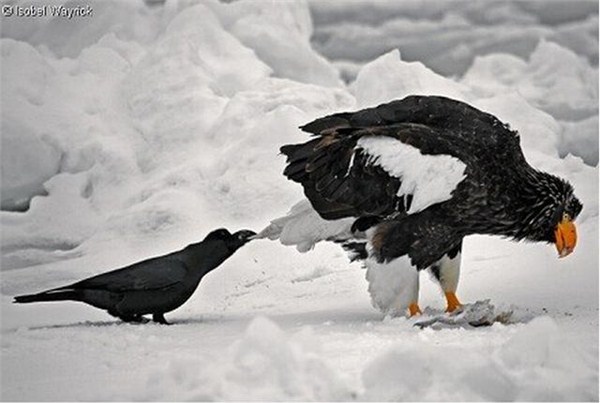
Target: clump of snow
581,139
430,179
27,162
535,364
281,38
264,364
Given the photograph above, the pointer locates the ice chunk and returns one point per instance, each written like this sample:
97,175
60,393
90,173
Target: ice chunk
581,139
554,79
27,162
389,77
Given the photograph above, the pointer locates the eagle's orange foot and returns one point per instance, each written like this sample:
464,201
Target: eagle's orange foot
453,302
414,309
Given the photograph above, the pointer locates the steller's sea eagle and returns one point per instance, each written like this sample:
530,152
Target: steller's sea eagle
401,184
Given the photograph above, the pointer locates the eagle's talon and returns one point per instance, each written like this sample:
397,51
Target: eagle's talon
453,302
414,309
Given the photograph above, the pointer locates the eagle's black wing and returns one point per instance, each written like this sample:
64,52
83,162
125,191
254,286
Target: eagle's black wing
474,128
344,171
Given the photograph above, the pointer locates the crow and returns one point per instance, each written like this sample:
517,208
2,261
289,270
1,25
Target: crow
153,286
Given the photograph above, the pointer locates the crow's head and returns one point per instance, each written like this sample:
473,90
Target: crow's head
233,241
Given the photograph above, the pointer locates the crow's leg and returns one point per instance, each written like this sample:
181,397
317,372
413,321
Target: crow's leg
134,318
160,318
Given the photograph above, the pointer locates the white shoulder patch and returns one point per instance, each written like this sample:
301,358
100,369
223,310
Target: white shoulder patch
429,178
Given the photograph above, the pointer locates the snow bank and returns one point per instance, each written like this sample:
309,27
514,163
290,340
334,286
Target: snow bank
160,126
265,364
580,138
388,78
535,364
553,79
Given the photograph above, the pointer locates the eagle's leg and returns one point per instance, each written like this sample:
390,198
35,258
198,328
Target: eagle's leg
408,297
447,272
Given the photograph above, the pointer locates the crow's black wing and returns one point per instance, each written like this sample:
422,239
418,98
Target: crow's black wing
152,274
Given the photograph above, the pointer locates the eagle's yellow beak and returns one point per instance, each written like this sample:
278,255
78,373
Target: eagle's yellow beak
566,236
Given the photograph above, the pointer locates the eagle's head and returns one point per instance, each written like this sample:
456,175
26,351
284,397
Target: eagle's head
552,216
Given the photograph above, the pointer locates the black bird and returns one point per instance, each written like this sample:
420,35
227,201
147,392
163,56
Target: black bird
412,178
153,286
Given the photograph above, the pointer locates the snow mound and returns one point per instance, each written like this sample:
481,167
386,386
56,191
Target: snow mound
389,77
189,120
554,79
581,139
534,364
265,364
280,38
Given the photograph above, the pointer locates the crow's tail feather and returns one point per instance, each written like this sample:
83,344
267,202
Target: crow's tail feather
52,295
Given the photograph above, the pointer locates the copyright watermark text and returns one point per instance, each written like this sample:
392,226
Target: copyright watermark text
15,11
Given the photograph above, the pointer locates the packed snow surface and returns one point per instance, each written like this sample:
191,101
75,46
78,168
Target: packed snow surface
137,131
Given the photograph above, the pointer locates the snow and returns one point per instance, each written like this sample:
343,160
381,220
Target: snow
534,364
430,179
265,364
134,133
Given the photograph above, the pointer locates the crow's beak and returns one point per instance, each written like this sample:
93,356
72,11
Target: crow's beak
245,235
565,235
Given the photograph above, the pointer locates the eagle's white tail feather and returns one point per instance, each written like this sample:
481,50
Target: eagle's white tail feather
302,226
393,285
